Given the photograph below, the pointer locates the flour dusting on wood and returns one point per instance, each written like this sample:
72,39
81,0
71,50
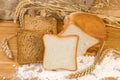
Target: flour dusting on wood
108,68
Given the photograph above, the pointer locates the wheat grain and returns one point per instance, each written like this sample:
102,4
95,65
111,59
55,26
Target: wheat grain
5,48
81,73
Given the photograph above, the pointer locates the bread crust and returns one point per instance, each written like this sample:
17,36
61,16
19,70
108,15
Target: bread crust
58,36
89,23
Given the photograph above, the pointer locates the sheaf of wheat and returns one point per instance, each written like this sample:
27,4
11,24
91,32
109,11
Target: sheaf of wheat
54,6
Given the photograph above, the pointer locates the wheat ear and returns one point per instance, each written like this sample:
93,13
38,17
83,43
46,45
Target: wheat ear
21,16
5,48
106,52
90,68
112,21
81,73
21,5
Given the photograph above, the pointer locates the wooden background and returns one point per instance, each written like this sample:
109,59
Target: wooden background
8,67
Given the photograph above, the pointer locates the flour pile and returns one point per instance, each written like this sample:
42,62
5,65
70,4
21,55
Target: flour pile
110,67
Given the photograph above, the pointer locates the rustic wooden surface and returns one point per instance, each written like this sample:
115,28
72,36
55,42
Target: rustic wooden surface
8,28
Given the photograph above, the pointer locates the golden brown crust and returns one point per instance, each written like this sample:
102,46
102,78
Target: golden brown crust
91,24
92,51
59,25
75,50
30,46
41,23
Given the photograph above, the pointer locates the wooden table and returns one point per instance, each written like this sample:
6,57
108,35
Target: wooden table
8,67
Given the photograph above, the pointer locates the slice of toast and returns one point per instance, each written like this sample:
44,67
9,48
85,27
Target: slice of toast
60,52
30,46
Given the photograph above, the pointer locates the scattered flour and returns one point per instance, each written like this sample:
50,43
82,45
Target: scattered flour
108,68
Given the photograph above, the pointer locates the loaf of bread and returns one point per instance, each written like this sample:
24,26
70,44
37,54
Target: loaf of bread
30,46
89,23
60,52
48,24
90,28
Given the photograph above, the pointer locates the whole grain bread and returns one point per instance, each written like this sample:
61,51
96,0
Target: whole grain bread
40,23
30,46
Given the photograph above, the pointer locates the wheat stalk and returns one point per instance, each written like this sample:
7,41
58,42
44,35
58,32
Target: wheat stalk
21,16
54,6
5,48
50,5
106,52
22,11
110,20
114,26
81,73
22,4
90,68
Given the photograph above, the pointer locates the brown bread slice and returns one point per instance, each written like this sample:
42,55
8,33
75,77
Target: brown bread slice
40,23
30,46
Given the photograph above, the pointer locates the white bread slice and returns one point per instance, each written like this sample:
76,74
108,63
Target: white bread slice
60,52
90,28
85,41
89,23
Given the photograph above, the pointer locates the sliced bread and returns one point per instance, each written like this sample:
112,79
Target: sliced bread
89,23
90,28
85,40
30,46
48,24
60,52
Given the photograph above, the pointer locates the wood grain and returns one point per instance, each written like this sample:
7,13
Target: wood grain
8,67
7,28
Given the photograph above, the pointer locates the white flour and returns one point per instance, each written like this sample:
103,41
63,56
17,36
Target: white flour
110,67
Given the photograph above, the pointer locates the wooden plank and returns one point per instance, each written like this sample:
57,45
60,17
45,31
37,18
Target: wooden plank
7,70
8,24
